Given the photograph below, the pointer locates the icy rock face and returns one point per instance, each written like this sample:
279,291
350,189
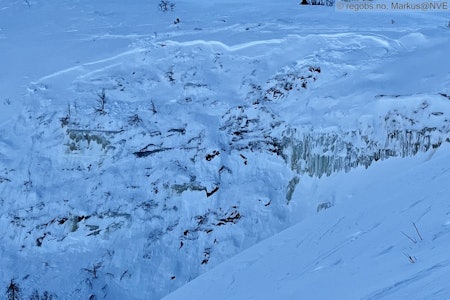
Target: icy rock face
141,197
396,135
253,128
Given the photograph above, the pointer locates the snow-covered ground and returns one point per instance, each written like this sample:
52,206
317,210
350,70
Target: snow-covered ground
140,149
364,247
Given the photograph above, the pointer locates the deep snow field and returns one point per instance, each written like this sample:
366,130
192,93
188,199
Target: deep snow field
223,150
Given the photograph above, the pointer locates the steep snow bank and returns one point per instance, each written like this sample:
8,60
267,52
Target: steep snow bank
365,247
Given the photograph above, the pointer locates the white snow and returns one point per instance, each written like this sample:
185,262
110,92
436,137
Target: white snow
356,249
137,153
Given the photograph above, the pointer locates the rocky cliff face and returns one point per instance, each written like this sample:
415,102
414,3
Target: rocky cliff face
318,154
396,134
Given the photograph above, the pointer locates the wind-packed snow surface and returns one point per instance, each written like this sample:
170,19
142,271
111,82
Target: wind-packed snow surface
139,149
385,238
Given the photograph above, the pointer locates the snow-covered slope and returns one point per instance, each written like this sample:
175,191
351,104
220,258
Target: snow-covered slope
139,149
365,247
